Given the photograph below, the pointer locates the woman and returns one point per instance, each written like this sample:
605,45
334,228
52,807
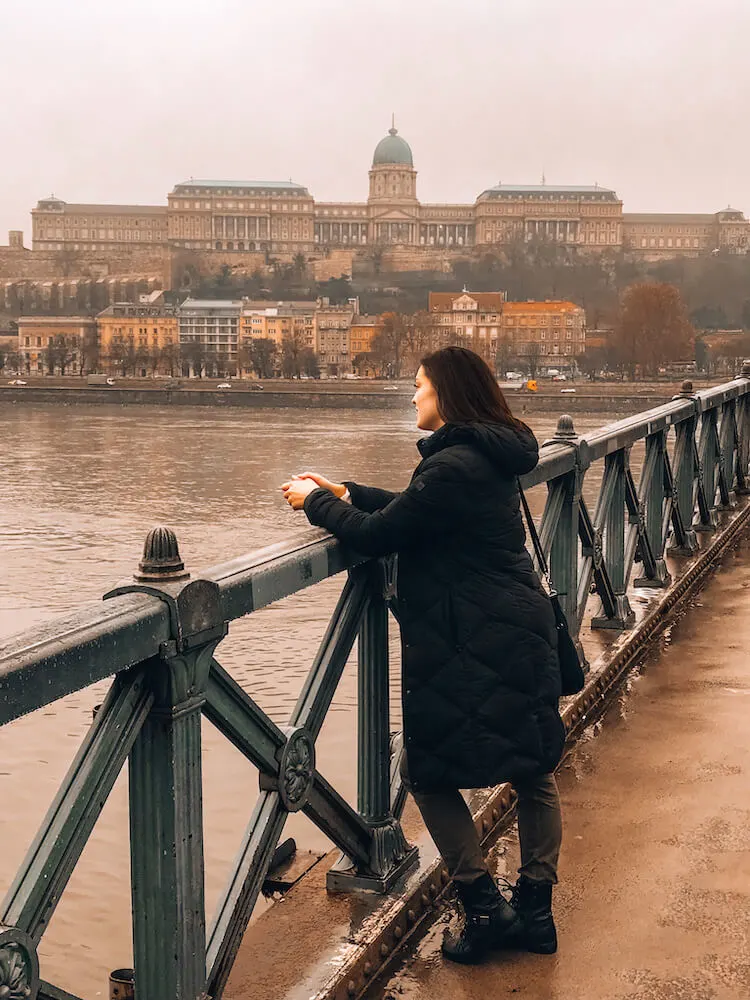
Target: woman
481,680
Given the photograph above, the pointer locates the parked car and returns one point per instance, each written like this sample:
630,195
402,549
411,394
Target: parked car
567,390
256,387
110,381
390,388
559,378
16,381
224,385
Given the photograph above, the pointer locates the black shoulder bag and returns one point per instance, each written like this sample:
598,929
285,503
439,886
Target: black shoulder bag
571,671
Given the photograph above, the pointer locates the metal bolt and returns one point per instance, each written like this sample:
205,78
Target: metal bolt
384,949
122,984
161,557
485,824
399,932
424,899
495,815
411,916
433,889
367,968
351,988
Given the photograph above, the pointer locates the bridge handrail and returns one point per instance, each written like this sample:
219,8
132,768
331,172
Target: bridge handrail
158,636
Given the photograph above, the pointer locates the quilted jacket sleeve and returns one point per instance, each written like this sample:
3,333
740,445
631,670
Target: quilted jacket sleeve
369,498
428,507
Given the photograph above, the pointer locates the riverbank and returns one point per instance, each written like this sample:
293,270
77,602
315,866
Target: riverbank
586,398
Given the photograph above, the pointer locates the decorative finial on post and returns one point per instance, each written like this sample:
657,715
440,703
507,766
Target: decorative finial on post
745,371
161,557
565,428
686,390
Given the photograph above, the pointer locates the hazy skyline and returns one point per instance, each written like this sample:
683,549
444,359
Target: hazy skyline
116,105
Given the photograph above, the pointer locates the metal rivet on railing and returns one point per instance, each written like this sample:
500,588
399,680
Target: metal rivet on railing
351,988
399,932
424,899
384,949
411,916
367,968
495,815
161,557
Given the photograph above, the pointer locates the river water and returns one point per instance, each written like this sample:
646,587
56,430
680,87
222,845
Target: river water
79,489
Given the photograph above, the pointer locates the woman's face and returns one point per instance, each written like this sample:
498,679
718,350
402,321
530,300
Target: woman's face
426,401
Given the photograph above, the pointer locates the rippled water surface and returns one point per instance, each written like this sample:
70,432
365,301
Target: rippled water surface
79,489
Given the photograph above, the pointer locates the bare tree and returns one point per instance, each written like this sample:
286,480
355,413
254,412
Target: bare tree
260,354
653,328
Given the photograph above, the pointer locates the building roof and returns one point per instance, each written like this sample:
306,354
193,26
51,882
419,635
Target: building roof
443,301
157,309
671,218
254,185
582,191
366,321
55,204
557,305
211,304
392,149
55,320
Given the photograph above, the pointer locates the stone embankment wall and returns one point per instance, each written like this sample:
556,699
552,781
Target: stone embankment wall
305,399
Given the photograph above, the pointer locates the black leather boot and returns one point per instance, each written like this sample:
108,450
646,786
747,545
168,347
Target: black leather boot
532,901
490,922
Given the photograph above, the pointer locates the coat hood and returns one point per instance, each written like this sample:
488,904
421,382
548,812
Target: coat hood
514,450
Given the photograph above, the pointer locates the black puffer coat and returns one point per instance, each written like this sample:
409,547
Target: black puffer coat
480,675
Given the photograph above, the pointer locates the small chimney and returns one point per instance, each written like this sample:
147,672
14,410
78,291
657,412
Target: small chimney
15,239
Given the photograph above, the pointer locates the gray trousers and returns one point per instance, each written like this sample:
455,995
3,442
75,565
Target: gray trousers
449,821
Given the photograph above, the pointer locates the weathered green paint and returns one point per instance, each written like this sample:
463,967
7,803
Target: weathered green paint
652,494
166,804
62,837
610,519
685,470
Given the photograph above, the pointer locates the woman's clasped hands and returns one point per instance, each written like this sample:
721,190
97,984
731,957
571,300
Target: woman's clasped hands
300,486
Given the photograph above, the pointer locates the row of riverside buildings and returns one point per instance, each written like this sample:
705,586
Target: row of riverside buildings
213,336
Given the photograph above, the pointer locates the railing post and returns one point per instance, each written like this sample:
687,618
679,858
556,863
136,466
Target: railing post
652,494
563,561
615,472
707,461
166,795
390,855
685,472
742,422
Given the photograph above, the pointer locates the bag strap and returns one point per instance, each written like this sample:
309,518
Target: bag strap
536,541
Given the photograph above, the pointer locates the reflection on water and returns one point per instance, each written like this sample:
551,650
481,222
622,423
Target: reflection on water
78,492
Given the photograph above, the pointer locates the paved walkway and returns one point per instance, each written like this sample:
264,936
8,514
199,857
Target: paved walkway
654,899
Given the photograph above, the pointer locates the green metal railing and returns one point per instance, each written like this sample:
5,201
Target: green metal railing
158,638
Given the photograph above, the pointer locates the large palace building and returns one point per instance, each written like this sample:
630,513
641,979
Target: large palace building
283,217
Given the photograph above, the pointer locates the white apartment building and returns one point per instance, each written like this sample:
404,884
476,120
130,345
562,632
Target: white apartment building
209,335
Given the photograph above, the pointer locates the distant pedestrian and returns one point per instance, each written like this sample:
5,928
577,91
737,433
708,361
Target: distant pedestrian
480,677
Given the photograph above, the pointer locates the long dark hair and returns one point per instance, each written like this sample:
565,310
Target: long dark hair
467,391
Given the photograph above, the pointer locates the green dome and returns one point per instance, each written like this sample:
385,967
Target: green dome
392,149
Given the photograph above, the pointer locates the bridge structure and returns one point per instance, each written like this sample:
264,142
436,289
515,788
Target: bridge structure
609,531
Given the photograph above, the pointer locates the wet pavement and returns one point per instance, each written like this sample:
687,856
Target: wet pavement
654,894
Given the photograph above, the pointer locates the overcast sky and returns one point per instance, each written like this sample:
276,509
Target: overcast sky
117,102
